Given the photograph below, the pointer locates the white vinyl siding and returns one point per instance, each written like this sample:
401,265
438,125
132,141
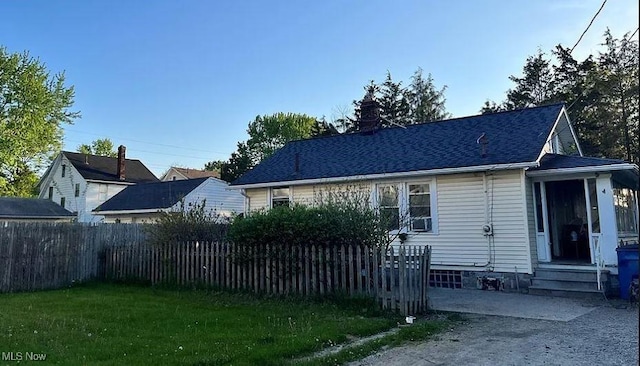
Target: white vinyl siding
461,208
257,199
218,197
531,221
97,194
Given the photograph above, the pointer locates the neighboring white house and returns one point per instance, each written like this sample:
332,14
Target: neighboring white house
176,173
506,194
142,203
81,182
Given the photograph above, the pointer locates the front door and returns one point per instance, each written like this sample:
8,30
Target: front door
567,218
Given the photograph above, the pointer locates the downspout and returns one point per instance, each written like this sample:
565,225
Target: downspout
247,201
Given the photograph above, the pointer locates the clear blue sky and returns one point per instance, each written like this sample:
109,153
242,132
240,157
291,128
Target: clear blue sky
177,82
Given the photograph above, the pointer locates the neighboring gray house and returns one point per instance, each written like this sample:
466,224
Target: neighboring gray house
500,194
33,210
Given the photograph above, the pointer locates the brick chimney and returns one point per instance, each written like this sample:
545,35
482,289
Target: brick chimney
369,113
121,161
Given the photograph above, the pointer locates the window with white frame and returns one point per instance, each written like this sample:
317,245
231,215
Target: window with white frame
279,196
389,205
407,206
420,207
626,215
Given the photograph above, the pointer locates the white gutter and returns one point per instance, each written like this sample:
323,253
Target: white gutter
126,212
111,182
472,169
584,169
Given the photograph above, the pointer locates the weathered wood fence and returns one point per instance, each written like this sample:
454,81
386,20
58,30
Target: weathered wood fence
36,256
397,278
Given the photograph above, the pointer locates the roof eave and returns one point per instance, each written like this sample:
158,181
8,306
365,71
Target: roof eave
583,169
470,169
127,212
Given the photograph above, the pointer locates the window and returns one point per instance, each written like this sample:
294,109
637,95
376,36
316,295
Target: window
538,197
102,192
407,206
389,205
279,196
593,199
62,201
420,207
625,204
64,170
77,193
51,193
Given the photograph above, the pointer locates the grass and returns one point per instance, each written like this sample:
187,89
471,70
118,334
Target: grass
107,324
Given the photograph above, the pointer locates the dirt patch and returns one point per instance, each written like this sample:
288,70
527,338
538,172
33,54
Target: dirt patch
607,335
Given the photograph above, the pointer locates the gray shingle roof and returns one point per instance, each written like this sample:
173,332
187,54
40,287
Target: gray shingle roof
19,208
95,167
513,137
147,196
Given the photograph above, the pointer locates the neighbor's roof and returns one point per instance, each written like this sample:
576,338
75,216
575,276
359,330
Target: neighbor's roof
31,208
94,167
555,161
146,196
512,137
195,173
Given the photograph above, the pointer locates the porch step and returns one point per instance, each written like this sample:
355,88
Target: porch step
581,283
580,294
570,274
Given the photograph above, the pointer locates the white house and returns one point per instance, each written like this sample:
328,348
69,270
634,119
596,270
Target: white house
142,203
176,173
506,195
81,182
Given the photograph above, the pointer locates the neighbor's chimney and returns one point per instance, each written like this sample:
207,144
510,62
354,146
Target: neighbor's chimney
121,159
369,113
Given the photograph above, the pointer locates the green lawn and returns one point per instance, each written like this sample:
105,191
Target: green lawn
118,324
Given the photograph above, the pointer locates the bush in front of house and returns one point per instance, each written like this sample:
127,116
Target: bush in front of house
190,222
327,224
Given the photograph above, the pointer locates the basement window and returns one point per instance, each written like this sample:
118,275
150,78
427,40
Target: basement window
280,197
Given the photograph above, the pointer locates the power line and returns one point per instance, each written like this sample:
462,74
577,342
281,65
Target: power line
155,152
588,26
634,33
149,143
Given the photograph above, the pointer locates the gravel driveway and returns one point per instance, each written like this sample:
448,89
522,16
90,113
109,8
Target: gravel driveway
607,334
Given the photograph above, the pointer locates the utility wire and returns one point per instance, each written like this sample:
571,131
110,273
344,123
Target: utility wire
588,26
634,33
146,142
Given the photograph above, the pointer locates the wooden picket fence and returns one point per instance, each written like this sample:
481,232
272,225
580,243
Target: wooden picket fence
397,278
35,256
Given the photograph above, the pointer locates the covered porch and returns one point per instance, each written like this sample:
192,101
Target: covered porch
584,208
